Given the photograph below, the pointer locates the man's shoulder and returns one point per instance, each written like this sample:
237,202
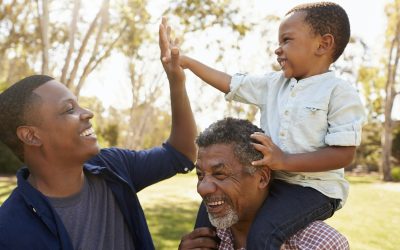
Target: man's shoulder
317,235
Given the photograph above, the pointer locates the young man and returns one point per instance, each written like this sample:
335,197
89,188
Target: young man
71,195
234,191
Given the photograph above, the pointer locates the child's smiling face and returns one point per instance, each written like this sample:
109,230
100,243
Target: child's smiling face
297,49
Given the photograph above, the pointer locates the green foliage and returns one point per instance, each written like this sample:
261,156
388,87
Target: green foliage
9,163
370,217
369,152
395,173
199,15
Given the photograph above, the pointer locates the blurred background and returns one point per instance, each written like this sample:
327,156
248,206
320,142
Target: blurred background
106,51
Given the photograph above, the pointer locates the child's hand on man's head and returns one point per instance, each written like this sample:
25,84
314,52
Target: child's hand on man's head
274,157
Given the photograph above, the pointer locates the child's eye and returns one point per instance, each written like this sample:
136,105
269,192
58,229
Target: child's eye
70,111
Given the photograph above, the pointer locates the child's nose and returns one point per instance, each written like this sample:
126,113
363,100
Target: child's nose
278,51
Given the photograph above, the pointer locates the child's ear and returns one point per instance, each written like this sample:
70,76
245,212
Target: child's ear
326,44
28,135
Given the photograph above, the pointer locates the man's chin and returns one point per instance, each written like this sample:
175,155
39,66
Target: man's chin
225,221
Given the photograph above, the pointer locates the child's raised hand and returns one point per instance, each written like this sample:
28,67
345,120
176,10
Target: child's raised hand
274,157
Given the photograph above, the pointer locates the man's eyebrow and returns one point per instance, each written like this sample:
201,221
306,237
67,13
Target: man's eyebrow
218,166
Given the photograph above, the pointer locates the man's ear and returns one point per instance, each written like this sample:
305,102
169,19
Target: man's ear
326,44
28,135
265,177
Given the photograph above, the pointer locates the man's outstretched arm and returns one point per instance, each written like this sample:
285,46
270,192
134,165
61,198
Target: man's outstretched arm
183,129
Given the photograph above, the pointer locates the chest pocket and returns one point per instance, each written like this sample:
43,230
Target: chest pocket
313,115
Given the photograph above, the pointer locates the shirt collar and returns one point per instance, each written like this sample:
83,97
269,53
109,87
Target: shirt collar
314,79
226,238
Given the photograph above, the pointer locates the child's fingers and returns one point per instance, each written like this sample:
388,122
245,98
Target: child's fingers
262,162
262,138
265,150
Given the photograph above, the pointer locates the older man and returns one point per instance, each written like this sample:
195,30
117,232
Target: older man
233,191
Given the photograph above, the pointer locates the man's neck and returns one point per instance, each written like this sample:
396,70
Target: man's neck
56,181
239,233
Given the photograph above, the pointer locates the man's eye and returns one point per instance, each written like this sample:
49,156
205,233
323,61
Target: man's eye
199,176
220,176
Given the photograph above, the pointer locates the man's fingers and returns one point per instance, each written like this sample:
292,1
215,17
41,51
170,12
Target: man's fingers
200,238
163,40
201,232
175,56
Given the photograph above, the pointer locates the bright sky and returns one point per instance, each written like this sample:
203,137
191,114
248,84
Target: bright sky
367,20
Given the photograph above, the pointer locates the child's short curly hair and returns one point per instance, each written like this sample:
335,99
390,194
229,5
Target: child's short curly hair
327,18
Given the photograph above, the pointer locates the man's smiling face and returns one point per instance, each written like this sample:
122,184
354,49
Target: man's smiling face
227,189
64,127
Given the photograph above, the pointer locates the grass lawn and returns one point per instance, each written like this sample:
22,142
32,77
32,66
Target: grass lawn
370,219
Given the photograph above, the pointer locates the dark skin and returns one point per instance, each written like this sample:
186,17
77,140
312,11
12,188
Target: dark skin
301,54
56,148
200,238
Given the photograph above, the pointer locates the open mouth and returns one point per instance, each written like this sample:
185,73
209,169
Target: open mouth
215,206
282,62
88,132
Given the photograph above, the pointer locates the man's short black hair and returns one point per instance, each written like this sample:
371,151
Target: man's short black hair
327,18
15,105
235,132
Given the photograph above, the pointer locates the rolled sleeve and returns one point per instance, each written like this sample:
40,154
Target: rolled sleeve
346,135
345,119
247,88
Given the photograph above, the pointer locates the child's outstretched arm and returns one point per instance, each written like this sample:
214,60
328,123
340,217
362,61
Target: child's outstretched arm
218,79
329,158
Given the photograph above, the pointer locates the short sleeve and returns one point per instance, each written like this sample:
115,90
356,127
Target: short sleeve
346,116
248,88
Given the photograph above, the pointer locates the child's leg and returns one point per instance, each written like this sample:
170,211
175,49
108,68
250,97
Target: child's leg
287,209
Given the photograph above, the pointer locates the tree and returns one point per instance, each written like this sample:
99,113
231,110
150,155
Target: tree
392,79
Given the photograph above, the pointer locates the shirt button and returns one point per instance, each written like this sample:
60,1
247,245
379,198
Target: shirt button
282,134
286,112
293,94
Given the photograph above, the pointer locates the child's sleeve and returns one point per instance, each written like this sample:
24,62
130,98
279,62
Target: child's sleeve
346,116
248,88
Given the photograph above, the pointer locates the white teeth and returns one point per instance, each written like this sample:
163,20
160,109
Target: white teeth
215,203
282,63
87,132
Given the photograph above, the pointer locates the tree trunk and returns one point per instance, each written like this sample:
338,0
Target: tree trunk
71,40
394,56
44,30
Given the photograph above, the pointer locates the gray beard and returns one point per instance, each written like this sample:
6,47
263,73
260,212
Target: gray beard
225,221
